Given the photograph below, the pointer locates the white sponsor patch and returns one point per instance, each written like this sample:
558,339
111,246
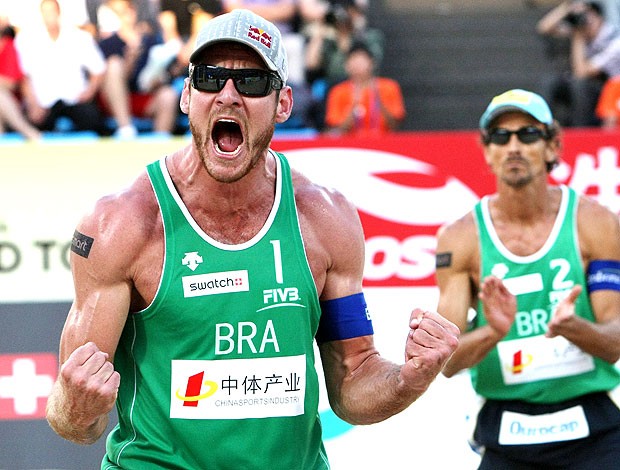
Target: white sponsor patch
215,283
539,358
238,388
565,425
526,284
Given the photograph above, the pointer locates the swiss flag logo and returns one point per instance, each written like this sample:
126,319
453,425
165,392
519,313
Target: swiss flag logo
25,383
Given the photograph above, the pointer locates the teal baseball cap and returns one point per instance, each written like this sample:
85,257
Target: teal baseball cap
517,100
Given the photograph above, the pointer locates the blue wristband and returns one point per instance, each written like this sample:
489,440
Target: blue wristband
603,274
344,318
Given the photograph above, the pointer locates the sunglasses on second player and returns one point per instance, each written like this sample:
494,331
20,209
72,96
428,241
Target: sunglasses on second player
526,135
248,82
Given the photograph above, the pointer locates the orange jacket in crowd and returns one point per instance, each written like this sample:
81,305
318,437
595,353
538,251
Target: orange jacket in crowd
365,107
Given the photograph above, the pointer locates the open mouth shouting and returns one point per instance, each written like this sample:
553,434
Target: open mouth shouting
227,137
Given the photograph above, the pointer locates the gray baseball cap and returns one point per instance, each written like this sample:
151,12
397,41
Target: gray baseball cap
247,28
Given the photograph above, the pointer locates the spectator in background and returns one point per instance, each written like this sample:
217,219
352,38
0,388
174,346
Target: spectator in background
364,104
179,23
608,106
24,14
11,75
594,57
331,37
125,94
63,70
182,21
557,70
328,42
102,14
289,16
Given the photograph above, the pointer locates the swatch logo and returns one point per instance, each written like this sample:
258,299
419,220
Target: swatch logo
215,283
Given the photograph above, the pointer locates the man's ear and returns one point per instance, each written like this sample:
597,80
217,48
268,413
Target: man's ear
285,104
553,150
185,96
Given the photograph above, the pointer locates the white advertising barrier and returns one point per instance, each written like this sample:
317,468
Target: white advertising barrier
404,188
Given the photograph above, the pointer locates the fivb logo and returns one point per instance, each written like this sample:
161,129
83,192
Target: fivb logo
216,283
281,297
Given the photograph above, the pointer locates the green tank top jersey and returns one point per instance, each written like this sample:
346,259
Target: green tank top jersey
218,372
526,365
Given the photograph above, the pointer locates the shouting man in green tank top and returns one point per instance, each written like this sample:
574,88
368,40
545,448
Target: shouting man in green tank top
201,289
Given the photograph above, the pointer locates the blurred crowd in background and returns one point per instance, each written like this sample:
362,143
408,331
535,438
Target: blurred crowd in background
583,82
117,67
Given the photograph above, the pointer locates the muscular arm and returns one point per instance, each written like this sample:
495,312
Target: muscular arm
599,234
457,277
85,390
363,387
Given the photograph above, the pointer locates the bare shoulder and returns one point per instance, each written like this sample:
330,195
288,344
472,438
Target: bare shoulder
457,247
599,230
114,249
323,204
333,237
120,224
591,211
461,232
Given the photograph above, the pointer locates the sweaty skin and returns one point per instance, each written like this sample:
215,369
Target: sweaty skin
229,192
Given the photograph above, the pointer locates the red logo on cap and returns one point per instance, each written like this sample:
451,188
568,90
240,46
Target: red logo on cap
259,35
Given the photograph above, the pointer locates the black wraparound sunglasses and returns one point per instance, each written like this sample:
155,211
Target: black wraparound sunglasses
526,135
248,82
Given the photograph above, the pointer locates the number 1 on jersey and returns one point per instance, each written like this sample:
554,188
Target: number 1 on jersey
277,259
